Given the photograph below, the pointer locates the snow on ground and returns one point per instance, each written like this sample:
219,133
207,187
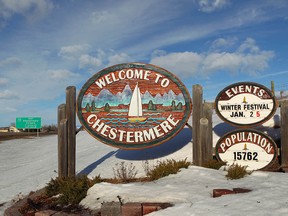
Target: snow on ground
29,164
191,190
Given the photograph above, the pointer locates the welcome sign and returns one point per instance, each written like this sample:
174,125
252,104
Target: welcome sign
133,105
245,104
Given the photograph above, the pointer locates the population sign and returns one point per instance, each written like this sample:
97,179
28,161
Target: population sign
133,105
246,147
245,104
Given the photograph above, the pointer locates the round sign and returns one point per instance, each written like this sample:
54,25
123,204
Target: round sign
249,148
245,104
133,105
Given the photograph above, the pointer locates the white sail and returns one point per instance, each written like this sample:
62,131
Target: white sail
135,108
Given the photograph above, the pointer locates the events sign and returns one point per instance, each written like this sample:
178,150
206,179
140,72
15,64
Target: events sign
28,123
245,104
249,148
133,105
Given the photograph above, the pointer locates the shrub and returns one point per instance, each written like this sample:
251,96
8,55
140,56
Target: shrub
125,172
146,167
95,180
167,167
71,190
236,171
214,164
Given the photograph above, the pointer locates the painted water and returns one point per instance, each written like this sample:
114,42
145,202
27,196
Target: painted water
119,118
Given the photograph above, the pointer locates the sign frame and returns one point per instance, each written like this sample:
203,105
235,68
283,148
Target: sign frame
111,74
253,140
28,123
260,92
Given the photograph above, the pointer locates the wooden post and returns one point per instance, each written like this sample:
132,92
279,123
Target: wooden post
273,87
207,113
62,149
71,118
284,135
203,140
62,142
196,115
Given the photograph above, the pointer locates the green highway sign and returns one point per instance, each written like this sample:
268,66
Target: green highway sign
28,123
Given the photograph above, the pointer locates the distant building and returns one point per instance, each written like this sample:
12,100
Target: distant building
8,129
4,129
13,129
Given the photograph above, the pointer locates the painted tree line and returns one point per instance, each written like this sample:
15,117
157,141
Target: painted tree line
151,106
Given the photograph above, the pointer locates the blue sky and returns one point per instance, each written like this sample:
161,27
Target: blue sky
47,45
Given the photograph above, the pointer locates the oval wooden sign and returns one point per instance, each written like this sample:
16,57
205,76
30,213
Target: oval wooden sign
247,147
133,105
245,104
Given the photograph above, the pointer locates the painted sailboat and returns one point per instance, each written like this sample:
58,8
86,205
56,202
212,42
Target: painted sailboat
135,112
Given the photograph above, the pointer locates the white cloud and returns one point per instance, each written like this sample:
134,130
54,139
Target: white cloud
46,52
91,60
3,81
6,94
179,63
74,51
158,53
223,43
221,61
249,45
248,59
253,63
87,61
33,10
62,74
11,61
6,109
212,5
275,74
99,16
119,58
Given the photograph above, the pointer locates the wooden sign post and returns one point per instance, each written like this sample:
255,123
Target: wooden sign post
71,129
196,116
62,142
67,134
284,136
202,128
